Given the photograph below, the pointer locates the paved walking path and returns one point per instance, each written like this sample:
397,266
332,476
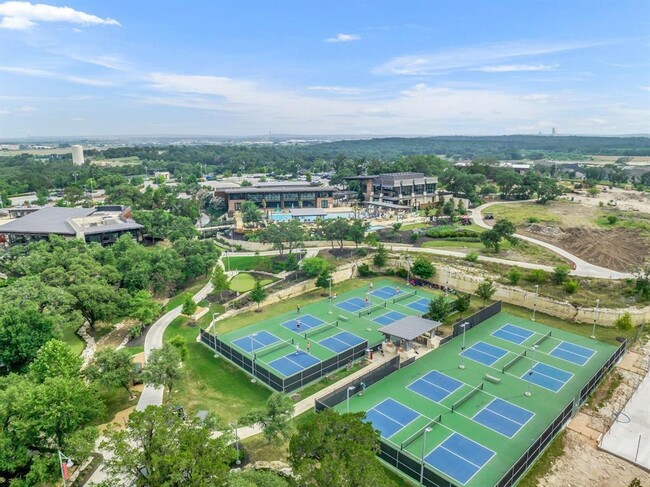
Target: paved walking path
582,267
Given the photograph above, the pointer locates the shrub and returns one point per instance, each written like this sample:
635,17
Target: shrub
601,204
414,237
532,219
611,219
401,272
537,276
365,271
135,331
189,306
560,274
362,252
314,266
571,286
472,257
624,323
514,275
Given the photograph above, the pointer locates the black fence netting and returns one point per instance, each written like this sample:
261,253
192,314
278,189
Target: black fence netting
477,318
277,381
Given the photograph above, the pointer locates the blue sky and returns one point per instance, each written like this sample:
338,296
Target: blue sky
434,67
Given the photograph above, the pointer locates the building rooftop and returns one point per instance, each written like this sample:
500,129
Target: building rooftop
393,178
279,189
409,327
71,221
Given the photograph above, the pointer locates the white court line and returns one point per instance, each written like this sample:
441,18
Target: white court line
587,359
457,455
508,333
440,387
469,439
518,328
506,417
489,345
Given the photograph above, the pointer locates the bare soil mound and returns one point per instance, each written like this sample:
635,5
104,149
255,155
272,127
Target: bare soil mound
620,249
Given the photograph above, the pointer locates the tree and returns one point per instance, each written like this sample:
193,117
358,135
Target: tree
422,268
274,418
323,280
73,195
462,304
160,448
315,266
491,240
143,308
55,359
250,213
548,190
485,290
22,333
381,256
560,273
189,306
337,229
98,301
514,275
163,368
220,280
259,478
357,231
439,308
448,208
258,294
642,282
291,263
503,229
624,322
336,450
112,368
179,342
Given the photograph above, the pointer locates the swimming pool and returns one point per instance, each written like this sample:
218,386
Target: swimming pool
278,217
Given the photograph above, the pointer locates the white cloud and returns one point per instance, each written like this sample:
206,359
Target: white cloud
344,38
25,15
646,88
538,97
5,112
512,68
338,90
28,109
472,57
40,73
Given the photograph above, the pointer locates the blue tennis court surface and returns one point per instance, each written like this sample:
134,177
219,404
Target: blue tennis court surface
459,458
547,376
256,341
512,333
341,341
386,292
353,305
390,416
572,353
293,363
435,386
421,305
306,322
503,417
484,353
389,318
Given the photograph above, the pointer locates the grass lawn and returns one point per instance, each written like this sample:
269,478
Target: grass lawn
192,288
71,338
605,334
451,244
249,263
244,282
544,463
520,213
211,384
116,400
134,350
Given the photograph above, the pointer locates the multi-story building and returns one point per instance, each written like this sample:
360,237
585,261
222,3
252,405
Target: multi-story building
272,197
408,189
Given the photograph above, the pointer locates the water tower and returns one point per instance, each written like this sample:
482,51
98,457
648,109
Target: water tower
77,155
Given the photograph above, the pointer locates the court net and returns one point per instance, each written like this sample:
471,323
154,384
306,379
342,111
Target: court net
371,309
419,433
513,361
320,329
403,296
274,347
466,397
541,340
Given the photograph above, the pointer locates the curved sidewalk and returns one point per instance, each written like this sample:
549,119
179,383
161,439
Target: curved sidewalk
582,267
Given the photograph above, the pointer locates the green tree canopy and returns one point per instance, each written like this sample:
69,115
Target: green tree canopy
112,368
258,294
423,268
163,368
439,308
274,418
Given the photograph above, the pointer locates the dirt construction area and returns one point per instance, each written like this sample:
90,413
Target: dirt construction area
581,226
582,462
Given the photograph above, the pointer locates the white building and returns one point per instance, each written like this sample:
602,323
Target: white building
77,155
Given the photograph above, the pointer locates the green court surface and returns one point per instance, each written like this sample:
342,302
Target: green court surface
272,340
480,426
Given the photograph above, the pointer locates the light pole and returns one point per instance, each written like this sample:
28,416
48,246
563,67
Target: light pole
535,301
228,259
530,372
424,447
238,461
214,318
330,311
408,269
253,380
593,329
347,399
64,467
462,350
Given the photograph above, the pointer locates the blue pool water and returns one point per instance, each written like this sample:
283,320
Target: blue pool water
286,216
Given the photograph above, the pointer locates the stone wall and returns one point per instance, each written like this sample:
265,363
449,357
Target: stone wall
466,282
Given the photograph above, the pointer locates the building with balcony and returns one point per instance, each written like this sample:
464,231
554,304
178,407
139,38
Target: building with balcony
279,197
401,189
103,225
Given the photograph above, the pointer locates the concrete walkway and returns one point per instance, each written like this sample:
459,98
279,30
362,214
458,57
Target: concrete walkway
582,267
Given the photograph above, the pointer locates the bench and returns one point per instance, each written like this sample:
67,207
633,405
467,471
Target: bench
343,318
491,378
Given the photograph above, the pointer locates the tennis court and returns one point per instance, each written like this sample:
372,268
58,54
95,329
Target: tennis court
299,342
470,425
